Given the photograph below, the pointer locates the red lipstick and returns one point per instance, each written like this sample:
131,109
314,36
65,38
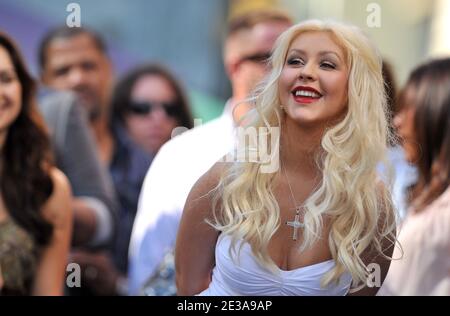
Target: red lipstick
305,94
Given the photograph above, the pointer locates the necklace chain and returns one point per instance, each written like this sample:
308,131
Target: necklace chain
296,205
295,224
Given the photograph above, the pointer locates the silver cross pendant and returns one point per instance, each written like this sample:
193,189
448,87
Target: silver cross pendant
296,224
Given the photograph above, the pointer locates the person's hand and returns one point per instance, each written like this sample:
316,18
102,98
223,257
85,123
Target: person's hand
97,272
84,223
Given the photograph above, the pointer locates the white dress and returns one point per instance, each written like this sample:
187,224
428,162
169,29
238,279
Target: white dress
245,276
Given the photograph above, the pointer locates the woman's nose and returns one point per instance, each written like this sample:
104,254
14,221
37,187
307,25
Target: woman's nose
307,73
158,113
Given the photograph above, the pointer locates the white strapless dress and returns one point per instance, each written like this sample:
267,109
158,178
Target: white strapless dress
245,276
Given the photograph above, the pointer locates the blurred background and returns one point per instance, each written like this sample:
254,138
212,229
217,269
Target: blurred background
187,36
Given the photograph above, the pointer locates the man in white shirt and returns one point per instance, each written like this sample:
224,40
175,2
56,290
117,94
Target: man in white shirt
181,161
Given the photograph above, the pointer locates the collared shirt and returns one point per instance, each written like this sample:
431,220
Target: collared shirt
175,169
128,168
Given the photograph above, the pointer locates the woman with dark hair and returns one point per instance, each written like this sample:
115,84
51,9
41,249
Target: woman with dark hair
423,125
150,102
404,173
35,198
147,104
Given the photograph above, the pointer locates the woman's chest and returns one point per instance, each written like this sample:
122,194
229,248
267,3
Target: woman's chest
284,247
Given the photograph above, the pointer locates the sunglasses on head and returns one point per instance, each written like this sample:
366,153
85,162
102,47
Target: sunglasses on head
145,107
260,58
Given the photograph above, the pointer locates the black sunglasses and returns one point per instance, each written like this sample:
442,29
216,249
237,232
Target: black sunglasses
171,109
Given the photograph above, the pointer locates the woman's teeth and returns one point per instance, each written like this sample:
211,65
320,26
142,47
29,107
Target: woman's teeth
303,93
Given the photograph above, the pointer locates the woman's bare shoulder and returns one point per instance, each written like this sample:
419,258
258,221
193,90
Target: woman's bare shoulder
58,208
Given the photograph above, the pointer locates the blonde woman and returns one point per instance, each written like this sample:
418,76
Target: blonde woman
322,221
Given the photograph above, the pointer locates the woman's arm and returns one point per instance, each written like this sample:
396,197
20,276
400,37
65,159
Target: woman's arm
196,240
377,263
51,270
378,268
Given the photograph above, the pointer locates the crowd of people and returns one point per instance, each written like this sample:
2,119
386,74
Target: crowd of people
91,173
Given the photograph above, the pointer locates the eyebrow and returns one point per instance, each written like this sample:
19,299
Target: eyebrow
321,53
7,70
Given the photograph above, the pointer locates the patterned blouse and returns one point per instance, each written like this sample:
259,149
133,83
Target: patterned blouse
18,259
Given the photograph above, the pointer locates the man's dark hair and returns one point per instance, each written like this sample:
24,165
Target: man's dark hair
64,32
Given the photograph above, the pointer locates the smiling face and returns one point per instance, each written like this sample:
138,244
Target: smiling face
10,91
313,82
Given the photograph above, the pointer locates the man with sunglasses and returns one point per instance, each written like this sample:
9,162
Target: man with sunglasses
181,161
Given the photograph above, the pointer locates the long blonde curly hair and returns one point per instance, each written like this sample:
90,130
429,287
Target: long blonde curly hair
361,215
